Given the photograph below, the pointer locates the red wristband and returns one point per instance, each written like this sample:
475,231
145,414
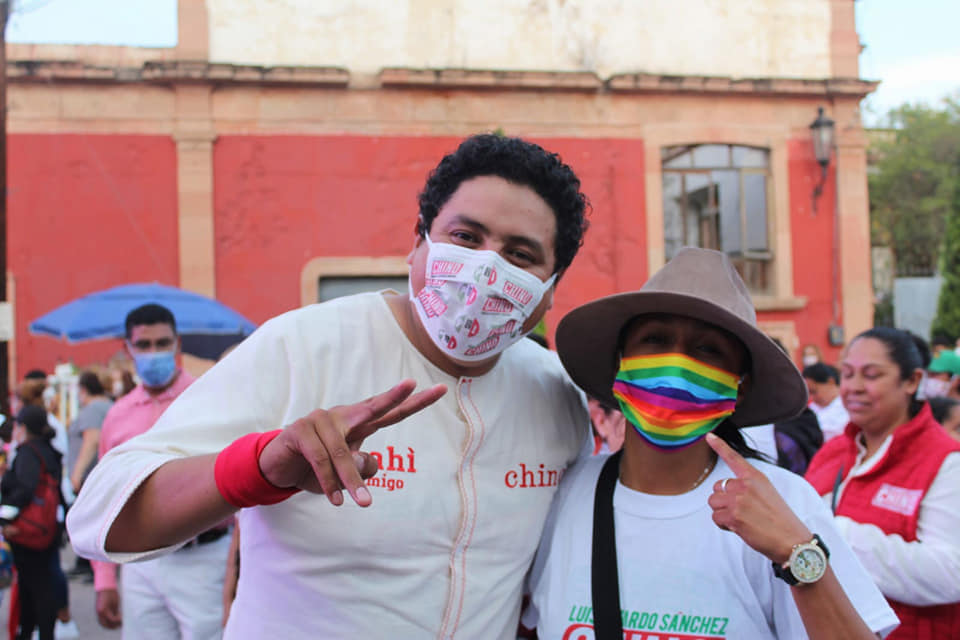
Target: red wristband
238,476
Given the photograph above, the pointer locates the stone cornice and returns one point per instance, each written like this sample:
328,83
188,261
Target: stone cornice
171,72
167,72
659,83
401,77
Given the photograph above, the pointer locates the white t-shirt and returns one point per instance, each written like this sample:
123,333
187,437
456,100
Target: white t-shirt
458,506
681,576
833,418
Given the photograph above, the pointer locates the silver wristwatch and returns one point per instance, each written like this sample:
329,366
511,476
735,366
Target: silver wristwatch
807,563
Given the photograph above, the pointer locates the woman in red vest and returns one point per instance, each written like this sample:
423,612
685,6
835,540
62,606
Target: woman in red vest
893,480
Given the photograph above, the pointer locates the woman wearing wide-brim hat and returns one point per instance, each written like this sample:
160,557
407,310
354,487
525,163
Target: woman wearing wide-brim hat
680,534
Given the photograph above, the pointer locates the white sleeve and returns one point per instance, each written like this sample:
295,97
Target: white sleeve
246,392
933,559
853,578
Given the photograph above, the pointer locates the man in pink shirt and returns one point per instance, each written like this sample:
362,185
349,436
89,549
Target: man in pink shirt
177,595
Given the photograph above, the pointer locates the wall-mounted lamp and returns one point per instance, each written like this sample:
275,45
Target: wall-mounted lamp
822,132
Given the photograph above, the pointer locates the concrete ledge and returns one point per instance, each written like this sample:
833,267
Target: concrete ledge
657,83
174,71
490,79
166,71
773,303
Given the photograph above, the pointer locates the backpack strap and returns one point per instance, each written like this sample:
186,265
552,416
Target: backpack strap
43,470
605,579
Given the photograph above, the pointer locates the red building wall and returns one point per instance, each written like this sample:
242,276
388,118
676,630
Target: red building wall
86,212
282,200
812,238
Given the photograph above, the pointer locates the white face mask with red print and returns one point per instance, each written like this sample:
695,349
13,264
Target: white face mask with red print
474,303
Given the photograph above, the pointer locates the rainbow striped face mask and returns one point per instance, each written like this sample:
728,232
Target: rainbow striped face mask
673,400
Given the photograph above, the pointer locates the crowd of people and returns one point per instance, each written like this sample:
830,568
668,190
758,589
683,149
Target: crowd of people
409,465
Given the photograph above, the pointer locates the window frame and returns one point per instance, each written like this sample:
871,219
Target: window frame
709,231
775,137
347,267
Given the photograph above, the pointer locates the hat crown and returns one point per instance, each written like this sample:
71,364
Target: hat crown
708,275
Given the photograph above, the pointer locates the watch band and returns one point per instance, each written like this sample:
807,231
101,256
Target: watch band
783,571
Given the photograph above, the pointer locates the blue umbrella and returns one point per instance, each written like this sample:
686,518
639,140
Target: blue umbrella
207,326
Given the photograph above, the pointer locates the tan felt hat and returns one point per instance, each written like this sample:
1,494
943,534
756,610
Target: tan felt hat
697,283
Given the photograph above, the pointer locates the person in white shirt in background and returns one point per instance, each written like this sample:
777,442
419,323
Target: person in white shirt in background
810,355
823,384
941,377
462,480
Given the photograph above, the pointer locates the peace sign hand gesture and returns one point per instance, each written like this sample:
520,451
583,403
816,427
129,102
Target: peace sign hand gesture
320,452
750,506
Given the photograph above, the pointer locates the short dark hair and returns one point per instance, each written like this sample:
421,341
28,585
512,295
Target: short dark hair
942,340
520,162
821,372
34,418
149,314
35,374
922,348
901,348
941,406
90,382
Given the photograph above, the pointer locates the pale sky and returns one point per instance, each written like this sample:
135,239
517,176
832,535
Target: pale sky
912,46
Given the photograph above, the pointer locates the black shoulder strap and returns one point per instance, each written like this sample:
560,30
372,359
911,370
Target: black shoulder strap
30,445
605,580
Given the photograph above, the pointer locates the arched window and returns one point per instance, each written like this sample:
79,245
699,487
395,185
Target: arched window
715,196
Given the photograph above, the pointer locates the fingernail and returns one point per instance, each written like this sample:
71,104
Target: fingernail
363,495
358,461
337,498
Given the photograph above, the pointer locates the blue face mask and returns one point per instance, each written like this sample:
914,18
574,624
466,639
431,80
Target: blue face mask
155,368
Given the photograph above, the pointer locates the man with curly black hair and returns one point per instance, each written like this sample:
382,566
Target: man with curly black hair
519,162
462,480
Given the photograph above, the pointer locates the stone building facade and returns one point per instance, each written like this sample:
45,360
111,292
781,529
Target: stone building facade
276,152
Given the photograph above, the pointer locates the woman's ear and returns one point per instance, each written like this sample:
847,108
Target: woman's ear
913,382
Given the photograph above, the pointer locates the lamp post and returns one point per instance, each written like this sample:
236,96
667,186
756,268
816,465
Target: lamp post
822,132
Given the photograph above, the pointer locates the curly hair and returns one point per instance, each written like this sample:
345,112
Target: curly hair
522,163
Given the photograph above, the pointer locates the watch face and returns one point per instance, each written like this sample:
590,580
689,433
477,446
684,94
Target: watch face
809,564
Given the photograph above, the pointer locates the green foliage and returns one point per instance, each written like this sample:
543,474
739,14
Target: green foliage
947,320
912,183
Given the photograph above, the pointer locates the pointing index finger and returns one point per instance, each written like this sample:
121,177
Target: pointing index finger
737,463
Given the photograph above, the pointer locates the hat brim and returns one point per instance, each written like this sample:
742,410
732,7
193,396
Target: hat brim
588,344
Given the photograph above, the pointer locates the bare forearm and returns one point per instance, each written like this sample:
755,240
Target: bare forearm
88,450
178,501
827,613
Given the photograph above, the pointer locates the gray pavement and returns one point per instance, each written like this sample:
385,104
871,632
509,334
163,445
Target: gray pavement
82,599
